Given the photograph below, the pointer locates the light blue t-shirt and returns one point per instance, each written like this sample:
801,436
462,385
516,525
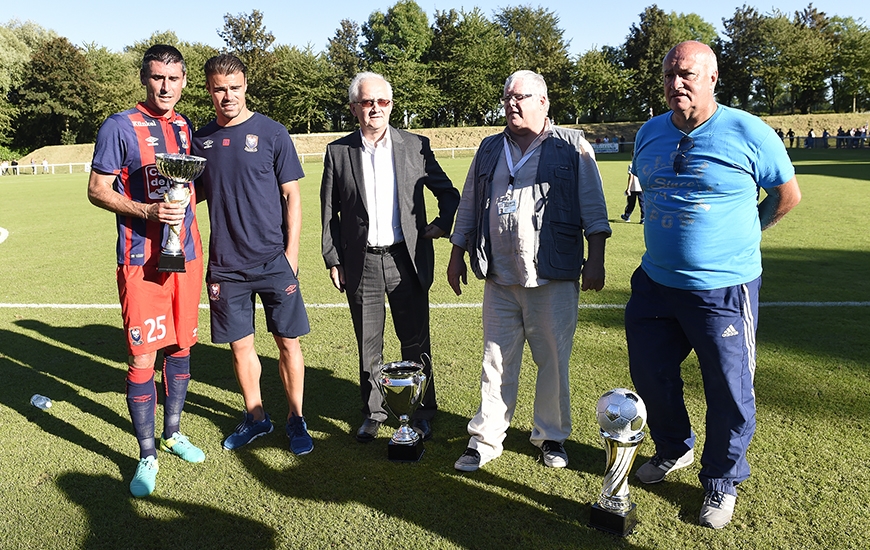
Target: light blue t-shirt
702,229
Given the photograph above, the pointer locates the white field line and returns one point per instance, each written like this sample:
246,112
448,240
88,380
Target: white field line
3,234
433,306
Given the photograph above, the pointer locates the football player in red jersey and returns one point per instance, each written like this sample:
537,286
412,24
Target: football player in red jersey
160,310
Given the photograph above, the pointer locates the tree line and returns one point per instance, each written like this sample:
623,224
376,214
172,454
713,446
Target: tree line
449,72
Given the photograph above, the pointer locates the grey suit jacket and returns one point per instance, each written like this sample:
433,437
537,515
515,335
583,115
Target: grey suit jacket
345,217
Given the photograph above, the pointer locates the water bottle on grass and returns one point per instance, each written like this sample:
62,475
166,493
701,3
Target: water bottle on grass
40,401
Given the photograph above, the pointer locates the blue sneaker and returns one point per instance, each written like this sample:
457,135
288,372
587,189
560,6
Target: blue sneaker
181,447
145,478
297,431
247,431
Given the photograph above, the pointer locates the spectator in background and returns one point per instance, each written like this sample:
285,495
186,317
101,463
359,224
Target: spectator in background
790,135
633,194
45,166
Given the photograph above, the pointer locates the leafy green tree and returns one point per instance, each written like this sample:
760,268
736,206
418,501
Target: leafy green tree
394,45
811,55
116,80
737,51
602,86
55,97
345,61
301,89
467,58
771,68
691,26
645,48
851,66
537,43
247,38
17,41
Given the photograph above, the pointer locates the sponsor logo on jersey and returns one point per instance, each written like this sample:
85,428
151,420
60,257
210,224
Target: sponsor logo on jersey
182,137
290,289
152,141
226,142
144,123
251,142
207,144
136,336
155,184
214,291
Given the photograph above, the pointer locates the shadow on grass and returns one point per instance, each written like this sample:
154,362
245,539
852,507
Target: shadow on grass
832,162
475,510
117,523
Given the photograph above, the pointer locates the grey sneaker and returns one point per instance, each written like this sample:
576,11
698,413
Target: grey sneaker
469,461
657,467
717,509
554,454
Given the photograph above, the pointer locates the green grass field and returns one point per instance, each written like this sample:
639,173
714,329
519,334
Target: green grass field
64,472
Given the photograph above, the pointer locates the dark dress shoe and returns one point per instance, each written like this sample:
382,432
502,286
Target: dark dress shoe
368,431
422,427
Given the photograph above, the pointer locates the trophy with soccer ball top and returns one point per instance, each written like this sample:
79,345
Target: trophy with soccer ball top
180,169
621,416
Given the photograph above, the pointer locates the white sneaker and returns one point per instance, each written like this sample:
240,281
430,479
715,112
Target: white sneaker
657,467
554,454
717,509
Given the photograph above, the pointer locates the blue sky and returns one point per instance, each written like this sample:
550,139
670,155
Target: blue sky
118,23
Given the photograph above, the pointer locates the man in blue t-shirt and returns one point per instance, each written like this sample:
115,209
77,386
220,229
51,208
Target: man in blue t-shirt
252,188
701,166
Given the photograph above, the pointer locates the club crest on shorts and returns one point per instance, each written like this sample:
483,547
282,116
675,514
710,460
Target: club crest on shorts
290,289
214,291
251,142
136,336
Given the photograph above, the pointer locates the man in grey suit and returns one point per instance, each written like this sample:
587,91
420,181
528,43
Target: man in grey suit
377,241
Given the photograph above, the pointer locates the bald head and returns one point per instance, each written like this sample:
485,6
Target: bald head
690,74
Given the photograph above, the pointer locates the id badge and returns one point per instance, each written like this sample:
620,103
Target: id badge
506,206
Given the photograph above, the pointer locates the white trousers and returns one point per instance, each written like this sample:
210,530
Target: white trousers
546,318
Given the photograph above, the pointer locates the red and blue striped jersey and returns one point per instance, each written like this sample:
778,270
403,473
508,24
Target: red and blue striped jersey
126,145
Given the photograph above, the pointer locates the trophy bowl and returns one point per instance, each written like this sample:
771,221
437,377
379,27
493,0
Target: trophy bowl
402,385
179,167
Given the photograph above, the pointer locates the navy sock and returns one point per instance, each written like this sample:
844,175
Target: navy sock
141,399
176,376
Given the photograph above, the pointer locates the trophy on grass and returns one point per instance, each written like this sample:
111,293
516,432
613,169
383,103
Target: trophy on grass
621,416
402,385
180,169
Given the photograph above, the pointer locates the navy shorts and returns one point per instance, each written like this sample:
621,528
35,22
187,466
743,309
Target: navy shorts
232,298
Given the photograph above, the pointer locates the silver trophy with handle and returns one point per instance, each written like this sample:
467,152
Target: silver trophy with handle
181,169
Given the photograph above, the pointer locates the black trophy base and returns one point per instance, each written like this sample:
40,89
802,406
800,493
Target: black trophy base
617,523
405,453
173,263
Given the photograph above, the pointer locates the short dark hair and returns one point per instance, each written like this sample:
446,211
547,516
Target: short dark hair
163,53
224,64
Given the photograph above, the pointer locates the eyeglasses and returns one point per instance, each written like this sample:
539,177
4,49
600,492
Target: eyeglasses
369,103
516,97
681,161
